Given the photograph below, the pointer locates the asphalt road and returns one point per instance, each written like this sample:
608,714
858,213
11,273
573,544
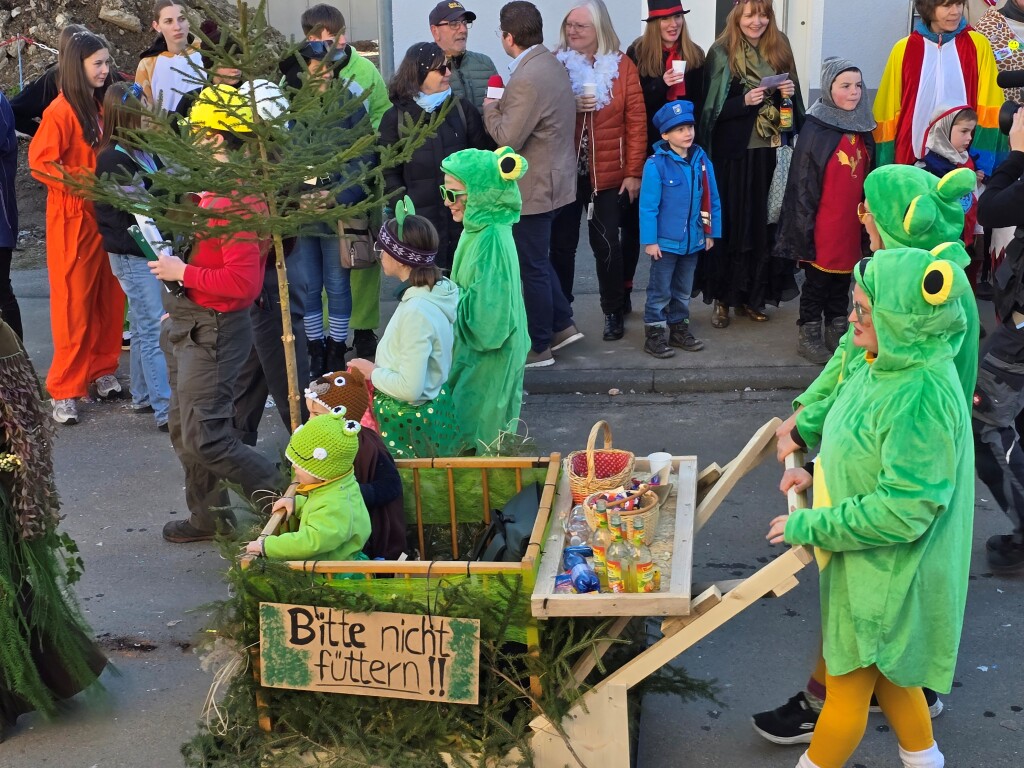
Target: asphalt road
145,599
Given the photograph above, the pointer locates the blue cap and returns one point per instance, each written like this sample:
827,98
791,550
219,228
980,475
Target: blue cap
674,114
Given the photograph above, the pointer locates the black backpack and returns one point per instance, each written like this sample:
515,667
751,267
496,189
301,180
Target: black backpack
506,538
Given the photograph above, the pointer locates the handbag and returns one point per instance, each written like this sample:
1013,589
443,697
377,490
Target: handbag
777,190
355,243
508,535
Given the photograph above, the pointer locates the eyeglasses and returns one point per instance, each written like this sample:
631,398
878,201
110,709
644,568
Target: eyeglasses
499,33
378,250
863,212
861,311
458,24
451,195
572,26
133,90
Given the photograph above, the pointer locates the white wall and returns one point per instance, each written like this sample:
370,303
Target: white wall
360,16
866,39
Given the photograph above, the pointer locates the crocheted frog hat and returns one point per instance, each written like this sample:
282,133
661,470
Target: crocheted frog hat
490,177
914,209
325,446
342,392
913,296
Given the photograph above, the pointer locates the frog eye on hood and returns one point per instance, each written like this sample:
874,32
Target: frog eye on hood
510,165
352,427
937,282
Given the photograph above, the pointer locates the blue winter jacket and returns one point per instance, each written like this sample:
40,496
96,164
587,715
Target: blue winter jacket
670,195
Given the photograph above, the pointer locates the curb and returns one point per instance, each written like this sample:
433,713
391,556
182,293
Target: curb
669,380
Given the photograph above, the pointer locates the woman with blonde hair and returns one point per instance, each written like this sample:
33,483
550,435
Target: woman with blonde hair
741,128
610,141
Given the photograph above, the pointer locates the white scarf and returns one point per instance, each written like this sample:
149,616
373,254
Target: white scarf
603,72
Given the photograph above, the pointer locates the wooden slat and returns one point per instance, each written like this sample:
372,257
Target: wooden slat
547,497
586,663
485,485
404,567
685,469
419,510
451,507
707,479
700,605
752,454
597,734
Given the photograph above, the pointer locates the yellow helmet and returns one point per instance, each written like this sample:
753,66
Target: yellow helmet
221,108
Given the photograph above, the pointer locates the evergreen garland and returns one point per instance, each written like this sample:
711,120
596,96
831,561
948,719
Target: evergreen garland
335,730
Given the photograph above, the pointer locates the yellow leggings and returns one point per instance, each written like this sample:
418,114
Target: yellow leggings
844,717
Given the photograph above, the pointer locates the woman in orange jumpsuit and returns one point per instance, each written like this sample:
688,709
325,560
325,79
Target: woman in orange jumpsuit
86,302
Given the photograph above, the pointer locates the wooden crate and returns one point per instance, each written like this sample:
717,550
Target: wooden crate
675,525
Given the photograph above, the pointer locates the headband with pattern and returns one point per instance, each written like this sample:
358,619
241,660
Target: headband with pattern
392,241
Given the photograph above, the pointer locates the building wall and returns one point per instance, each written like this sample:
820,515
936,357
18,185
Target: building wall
360,16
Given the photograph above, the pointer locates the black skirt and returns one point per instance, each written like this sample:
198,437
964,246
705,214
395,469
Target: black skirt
740,270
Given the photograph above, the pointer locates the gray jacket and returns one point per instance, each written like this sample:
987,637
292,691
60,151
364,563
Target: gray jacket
536,116
470,73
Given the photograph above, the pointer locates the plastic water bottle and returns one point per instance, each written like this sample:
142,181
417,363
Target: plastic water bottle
577,529
583,577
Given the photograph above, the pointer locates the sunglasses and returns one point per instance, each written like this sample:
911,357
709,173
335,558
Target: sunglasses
863,212
451,195
321,49
861,311
444,69
133,90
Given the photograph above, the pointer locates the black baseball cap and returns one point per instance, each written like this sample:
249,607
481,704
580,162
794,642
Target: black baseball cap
449,10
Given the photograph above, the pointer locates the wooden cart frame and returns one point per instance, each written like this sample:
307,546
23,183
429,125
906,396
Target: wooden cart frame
594,733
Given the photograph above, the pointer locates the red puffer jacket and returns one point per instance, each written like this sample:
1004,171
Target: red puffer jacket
618,132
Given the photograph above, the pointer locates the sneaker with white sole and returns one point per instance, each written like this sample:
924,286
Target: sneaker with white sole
792,723
931,698
107,386
65,411
539,359
565,337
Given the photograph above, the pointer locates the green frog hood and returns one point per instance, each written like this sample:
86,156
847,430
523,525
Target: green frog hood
914,305
915,209
490,178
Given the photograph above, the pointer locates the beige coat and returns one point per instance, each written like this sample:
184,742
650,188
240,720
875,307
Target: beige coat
536,116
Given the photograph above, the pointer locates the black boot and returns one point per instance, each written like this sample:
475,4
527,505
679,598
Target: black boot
655,343
811,346
834,331
317,358
614,329
365,343
335,358
679,335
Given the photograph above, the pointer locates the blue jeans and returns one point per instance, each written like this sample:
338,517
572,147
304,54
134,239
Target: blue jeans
149,383
320,260
668,289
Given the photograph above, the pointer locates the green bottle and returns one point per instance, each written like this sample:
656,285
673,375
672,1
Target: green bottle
644,560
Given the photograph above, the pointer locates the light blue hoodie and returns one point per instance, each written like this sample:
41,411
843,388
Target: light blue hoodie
414,355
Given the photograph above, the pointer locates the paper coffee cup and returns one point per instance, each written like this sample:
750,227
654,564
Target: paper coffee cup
590,89
661,467
494,92
679,67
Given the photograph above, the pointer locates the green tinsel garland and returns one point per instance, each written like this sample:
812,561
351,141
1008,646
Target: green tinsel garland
333,730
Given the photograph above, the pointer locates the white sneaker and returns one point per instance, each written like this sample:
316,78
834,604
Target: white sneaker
65,411
107,385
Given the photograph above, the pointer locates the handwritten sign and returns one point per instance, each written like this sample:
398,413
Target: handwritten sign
397,655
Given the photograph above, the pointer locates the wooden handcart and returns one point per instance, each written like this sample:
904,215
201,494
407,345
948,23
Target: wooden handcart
594,731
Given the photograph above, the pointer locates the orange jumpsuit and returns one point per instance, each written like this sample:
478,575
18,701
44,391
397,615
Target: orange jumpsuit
86,301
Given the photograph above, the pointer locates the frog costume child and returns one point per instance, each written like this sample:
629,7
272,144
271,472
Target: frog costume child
491,338
894,510
330,521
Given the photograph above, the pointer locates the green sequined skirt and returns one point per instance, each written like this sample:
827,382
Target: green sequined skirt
423,431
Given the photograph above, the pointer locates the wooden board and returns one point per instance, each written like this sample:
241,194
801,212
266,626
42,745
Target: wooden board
677,527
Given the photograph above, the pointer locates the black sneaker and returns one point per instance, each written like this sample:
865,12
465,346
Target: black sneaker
792,723
1007,557
364,341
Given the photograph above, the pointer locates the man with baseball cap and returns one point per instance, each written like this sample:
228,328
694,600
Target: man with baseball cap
449,24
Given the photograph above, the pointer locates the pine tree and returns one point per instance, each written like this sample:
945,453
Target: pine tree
280,154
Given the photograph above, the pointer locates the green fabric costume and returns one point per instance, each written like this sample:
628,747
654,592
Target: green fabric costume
912,209
330,520
491,340
894,482
365,283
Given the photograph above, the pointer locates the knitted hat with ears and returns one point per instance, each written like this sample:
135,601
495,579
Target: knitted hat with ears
914,209
341,392
325,446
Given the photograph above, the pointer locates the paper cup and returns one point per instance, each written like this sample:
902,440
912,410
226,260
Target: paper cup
679,66
590,89
661,467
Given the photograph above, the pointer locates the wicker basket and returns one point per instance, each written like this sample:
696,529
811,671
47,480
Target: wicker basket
599,469
649,510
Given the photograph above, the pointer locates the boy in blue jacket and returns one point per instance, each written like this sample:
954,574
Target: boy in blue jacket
680,216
